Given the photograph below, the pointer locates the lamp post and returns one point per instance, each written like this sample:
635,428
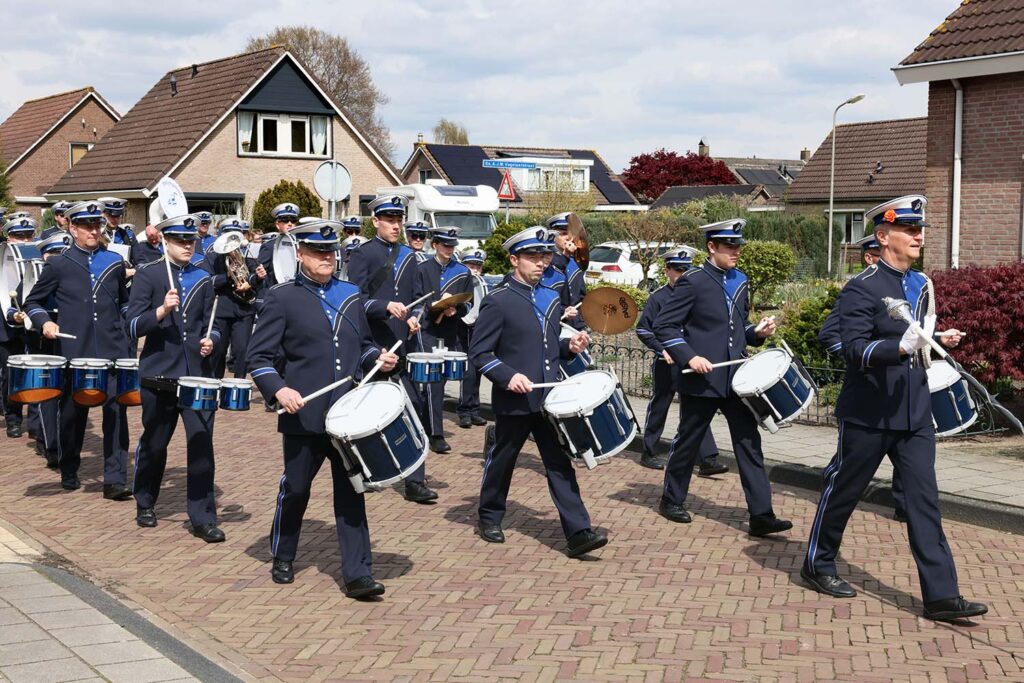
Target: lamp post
832,175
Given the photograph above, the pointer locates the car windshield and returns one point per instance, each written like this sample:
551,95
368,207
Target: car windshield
472,225
605,254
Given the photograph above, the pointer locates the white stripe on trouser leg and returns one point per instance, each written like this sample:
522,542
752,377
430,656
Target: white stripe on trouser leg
275,532
812,545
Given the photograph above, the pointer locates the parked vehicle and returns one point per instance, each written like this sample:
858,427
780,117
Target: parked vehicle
617,262
469,207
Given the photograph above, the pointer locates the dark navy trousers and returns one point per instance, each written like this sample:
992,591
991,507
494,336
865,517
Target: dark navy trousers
73,418
860,451
510,432
236,332
303,456
469,388
663,384
160,415
695,414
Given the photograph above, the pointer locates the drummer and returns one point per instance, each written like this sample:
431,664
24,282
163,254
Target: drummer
416,237
174,323
351,226
444,276
98,328
285,216
563,261
206,238
14,337
292,323
665,374
349,244
705,321
514,351
469,390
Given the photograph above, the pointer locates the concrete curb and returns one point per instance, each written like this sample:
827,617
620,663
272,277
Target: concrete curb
958,508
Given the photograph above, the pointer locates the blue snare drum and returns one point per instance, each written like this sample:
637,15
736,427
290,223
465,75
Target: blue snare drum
579,363
455,365
378,434
198,393
774,387
127,371
425,368
235,394
89,378
591,416
34,378
953,409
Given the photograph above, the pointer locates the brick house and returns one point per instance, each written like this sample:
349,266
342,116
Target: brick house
43,138
225,131
755,197
973,63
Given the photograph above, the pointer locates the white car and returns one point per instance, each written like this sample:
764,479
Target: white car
617,262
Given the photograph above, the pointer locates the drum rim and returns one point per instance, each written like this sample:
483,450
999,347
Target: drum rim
455,355
937,371
126,363
236,383
196,382
42,360
590,407
84,363
374,485
741,375
396,409
424,357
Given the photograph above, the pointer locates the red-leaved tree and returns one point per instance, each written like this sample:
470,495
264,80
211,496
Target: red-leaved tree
648,175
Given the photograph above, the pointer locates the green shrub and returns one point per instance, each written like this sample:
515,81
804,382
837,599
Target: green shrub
768,264
802,320
285,191
497,262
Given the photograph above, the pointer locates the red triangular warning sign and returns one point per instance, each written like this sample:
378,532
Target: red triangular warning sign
506,191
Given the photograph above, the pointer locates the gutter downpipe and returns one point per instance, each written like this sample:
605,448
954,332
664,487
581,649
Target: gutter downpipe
958,140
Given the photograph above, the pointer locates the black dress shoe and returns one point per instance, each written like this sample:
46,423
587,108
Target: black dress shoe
364,587
711,467
70,483
491,533
828,584
655,462
477,420
673,512
116,492
209,533
764,525
14,431
418,492
281,571
145,517
465,421
900,516
51,459
953,609
582,542
439,445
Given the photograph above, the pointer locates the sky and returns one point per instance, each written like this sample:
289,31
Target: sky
751,78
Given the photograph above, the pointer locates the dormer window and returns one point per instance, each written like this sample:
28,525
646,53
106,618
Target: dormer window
557,179
283,135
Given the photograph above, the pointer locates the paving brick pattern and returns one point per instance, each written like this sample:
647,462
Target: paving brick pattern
661,602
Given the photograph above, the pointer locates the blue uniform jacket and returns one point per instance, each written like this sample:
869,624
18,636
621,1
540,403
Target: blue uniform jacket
321,333
266,257
172,344
517,331
228,306
575,283
90,291
706,315
398,285
645,326
882,389
830,335
144,252
454,278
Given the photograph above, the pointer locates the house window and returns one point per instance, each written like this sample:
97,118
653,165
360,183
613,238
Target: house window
425,175
558,179
77,151
268,134
283,135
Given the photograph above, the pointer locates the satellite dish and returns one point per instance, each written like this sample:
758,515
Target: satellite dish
169,203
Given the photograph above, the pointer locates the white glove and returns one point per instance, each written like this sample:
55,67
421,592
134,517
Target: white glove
929,325
912,341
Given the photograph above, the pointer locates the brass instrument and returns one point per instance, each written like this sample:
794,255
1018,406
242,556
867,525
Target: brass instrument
230,244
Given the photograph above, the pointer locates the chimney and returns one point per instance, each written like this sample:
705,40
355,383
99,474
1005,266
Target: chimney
419,138
703,149
195,70
805,154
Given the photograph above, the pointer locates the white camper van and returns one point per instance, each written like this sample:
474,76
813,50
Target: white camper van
469,207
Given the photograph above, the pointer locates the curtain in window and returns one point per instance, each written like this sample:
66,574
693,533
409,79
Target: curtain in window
245,119
319,130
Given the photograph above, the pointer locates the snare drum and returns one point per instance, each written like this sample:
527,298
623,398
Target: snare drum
89,377
378,434
581,362
455,365
198,393
953,409
34,378
425,368
591,416
127,371
775,388
235,394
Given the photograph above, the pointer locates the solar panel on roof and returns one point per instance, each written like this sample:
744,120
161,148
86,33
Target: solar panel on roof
760,176
463,164
613,191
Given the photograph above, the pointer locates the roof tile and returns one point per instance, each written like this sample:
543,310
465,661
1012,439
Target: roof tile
976,28
32,119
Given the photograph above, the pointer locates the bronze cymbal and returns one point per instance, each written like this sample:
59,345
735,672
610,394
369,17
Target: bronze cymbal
609,310
449,301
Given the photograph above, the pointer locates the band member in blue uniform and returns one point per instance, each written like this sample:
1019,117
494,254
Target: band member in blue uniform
884,408
113,214
416,235
385,272
348,245
563,261
705,321
15,339
285,216
444,276
515,344
149,249
174,323
318,322
60,220
206,238
664,374
469,389
353,225
89,287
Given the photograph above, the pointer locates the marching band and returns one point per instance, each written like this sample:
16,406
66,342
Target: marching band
334,329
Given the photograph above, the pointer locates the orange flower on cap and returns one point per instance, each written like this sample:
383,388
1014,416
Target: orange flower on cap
890,216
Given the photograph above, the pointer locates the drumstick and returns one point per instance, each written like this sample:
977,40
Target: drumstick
320,392
213,313
14,300
717,365
418,301
761,325
65,335
950,333
167,262
378,364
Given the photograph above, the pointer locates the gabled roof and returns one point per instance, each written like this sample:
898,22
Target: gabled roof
35,119
681,194
899,144
976,28
162,130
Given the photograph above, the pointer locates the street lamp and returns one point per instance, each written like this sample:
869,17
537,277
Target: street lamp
832,175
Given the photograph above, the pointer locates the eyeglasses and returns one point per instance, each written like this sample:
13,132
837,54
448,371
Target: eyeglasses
293,221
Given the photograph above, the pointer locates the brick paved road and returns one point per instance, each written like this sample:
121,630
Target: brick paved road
661,602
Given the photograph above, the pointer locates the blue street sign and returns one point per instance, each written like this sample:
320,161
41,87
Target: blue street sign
499,163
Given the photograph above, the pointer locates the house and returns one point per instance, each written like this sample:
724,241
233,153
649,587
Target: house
570,171
754,196
775,175
875,162
43,138
973,63
225,131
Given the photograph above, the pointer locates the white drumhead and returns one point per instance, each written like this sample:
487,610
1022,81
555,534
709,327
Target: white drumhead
285,259
761,372
421,357
89,363
199,382
455,355
35,360
236,383
365,410
940,376
127,363
580,393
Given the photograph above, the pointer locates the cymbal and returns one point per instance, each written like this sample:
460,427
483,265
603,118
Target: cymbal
609,310
449,301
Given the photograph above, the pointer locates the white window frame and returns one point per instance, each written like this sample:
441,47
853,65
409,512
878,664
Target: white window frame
284,136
